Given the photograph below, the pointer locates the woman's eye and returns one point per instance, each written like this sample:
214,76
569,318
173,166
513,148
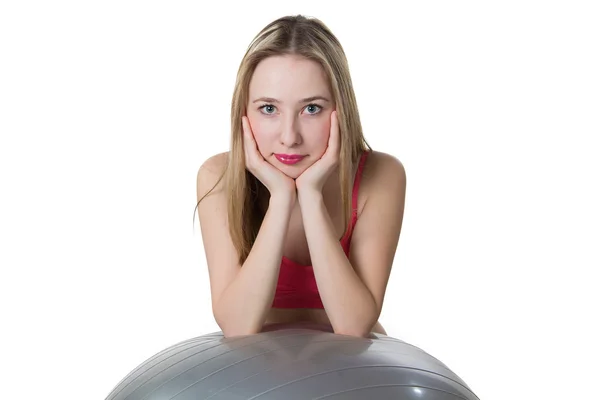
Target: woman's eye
266,105
312,106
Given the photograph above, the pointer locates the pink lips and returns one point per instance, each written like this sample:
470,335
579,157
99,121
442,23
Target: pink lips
289,159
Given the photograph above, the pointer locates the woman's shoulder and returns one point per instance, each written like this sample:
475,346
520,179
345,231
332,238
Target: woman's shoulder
381,172
380,167
210,172
215,164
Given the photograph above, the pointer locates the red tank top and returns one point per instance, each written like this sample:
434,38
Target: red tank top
296,286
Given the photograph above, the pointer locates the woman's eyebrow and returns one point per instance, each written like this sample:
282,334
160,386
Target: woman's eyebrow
272,100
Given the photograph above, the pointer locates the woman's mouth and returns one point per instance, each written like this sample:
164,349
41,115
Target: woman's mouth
289,159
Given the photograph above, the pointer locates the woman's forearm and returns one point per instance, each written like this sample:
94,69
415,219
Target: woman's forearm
348,302
243,306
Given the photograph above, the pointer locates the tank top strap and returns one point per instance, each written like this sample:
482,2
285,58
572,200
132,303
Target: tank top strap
357,179
345,242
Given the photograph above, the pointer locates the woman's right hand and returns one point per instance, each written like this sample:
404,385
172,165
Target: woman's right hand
274,180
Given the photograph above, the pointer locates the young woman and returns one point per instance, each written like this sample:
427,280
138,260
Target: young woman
305,224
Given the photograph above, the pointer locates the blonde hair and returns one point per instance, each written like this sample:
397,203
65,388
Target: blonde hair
299,36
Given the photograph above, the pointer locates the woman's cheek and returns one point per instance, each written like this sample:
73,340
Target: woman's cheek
324,136
261,144
267,144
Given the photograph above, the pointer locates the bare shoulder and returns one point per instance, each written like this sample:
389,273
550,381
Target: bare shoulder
215,164
209,173
381,170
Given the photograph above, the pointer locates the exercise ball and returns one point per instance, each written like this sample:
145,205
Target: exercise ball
292,362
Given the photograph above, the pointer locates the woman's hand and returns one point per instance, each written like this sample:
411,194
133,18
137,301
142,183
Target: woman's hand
275,181
314,177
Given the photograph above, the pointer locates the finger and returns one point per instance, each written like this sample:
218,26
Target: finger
250,146
244,126
247,140
335,127
334,134
248,131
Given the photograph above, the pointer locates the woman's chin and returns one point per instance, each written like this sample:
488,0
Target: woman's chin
291,171
291,174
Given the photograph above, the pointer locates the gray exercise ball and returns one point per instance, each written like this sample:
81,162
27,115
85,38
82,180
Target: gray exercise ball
292,362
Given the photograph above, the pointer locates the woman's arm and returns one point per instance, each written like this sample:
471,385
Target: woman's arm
349,304
241,295
243,306
352,289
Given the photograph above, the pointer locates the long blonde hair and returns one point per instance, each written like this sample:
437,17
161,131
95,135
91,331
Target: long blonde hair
246,195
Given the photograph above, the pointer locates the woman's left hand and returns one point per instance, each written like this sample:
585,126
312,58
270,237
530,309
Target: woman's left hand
314,177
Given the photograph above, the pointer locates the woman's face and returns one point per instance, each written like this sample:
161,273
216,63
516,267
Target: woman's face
283,118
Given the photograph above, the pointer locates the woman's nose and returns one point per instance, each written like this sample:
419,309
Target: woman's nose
290,135
290,138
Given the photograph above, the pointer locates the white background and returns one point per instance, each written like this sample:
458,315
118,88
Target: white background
107,110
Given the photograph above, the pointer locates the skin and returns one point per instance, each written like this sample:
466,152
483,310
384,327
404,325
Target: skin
290,126
293,126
